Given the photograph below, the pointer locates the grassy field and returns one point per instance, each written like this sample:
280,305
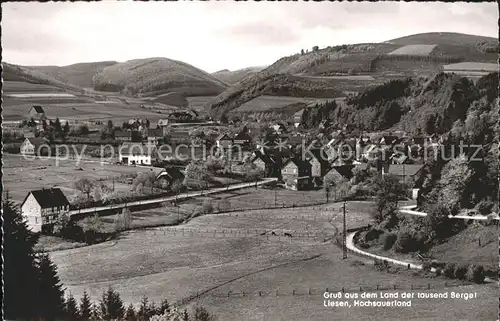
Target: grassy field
20,175
422,50
161,264
78,107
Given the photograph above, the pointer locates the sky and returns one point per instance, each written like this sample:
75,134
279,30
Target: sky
219,35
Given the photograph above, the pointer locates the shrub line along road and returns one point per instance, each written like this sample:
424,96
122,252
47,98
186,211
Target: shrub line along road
408,210
172,198
350,246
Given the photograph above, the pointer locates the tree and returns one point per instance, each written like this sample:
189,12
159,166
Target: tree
62,223
164,307
85,306
123,220
130,314
71,309
207,206
143,312
57,126
223,205
91,226
20,274
197,175
389,191
145,181
185,315
51,300
66,128
85,186
111,305
456,176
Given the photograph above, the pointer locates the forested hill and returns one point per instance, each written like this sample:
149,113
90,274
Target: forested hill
418,105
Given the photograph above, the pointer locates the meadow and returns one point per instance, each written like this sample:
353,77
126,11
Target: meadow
21,96
23,175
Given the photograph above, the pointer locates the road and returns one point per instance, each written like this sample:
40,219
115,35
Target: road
408,210
172,198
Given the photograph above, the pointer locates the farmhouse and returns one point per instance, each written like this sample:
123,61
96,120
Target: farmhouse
123,136
319,164
154,136
168,176
405,173
135,154
297,174
34,146
41,208
223,141
270,164
242,138
37,113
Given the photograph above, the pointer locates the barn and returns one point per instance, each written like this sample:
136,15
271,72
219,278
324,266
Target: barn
41,208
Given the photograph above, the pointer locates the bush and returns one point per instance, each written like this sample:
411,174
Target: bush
476,273
460,272
405,242
372,235
426,266
449,270
485,207
381,265
207,206
439,271
388,240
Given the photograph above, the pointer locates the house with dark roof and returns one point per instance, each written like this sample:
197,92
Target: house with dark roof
123,136
154,136
35,146
296,174
223,141
168,176
41,208
388,140
242,139
269,163
405,173
37,113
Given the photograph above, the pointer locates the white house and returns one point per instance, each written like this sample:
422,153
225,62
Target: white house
34,146
41,208
135,154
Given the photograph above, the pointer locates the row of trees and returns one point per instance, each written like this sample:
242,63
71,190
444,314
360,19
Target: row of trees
111,307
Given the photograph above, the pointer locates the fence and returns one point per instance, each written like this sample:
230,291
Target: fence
279,234
319,291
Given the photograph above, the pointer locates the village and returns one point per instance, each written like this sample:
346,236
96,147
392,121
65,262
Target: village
281,151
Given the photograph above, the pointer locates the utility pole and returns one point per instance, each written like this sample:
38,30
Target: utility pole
344,236
275,196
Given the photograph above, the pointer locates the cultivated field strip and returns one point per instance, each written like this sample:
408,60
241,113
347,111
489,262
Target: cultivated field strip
423,50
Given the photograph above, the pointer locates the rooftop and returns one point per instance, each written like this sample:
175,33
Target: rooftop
48,198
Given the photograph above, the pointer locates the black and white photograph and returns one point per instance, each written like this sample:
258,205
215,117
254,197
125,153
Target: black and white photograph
250,161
